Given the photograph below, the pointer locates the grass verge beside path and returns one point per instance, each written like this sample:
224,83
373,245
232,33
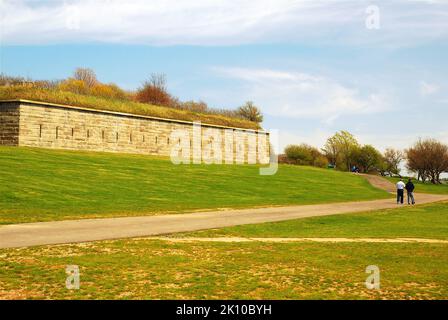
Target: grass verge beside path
425,221
425,187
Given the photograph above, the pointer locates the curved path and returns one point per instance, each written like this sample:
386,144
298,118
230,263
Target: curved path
71,231
379,182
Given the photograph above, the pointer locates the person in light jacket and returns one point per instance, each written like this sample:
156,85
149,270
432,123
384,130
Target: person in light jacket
400,191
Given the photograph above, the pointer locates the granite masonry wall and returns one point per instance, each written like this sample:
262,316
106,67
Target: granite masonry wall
45,125
9,124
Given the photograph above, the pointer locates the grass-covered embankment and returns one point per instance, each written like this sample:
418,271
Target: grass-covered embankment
94,102
45,185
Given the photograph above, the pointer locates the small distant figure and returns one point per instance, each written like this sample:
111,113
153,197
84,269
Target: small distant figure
400,191
355,169
410,191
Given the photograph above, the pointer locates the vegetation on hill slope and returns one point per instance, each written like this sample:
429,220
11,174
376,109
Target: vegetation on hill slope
43,185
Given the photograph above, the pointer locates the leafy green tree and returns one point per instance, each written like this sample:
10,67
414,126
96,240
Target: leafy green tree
368,158
341,150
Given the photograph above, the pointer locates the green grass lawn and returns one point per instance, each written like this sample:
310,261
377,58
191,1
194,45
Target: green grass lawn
44,185
426,187
153,269
425,221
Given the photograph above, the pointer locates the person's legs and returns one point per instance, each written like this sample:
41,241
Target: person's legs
398,196
401,196
412,197
409,197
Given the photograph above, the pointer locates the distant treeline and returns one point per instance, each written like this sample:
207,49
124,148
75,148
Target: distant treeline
428,159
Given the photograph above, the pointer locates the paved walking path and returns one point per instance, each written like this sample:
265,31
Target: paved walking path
71,231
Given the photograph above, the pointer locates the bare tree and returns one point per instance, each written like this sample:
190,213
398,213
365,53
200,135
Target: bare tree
429,159
158,80
250,112
87,75
392,160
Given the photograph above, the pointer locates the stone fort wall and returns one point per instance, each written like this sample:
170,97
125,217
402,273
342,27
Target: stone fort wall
45,125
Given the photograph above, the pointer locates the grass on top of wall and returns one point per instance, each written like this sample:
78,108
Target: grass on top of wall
44,185
86,101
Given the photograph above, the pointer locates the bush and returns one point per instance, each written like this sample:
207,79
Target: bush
300,154
111,91
305,154
154,91
321,162
73,85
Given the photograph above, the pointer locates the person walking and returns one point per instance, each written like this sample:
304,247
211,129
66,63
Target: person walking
400,191
410,191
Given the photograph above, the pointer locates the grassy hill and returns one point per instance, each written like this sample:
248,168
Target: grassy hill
44,185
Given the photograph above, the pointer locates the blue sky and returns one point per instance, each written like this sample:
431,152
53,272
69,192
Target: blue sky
313,67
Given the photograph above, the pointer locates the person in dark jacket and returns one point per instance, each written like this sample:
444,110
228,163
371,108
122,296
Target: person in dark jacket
410,191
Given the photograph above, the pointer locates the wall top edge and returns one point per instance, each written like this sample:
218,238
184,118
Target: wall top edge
123,114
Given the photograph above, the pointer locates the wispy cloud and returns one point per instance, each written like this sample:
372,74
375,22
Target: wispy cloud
220,22
428,88
301,95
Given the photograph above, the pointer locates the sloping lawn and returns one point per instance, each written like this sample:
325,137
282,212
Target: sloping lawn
44,185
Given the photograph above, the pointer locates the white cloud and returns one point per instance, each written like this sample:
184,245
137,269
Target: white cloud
301,95
219,22
428,88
